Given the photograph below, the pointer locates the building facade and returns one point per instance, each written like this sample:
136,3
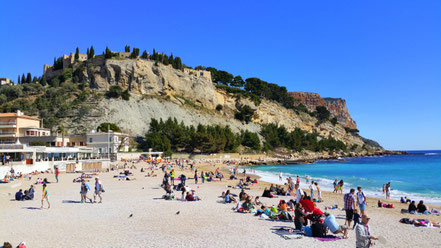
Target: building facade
16,125
107,144
198,73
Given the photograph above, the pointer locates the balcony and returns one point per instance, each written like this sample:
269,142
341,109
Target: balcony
8,124
8,135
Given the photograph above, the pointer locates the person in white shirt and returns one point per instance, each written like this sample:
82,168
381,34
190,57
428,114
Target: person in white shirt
280,176
361,200
299,193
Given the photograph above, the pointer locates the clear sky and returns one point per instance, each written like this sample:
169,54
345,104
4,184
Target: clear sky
383,57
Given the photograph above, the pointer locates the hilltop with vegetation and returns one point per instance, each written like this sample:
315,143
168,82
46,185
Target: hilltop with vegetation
166,105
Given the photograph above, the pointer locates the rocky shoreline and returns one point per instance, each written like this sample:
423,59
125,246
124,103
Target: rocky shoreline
313,157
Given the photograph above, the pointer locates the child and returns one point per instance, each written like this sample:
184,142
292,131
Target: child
356,218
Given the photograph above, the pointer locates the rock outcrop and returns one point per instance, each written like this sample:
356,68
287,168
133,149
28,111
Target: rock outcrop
336,106
159,91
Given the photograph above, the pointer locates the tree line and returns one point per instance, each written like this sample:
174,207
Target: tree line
170,136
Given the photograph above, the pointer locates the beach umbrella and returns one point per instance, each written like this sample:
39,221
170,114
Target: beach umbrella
307,205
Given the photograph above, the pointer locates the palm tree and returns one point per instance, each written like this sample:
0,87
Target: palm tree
61,130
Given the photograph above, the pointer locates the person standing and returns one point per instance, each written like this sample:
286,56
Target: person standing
335,186
298,180
361,200
341,185
311,188
98,190
202,177
349,201
280,176
388,190
84,189
363,234
299,193
196,177
44,196
172,177
319,192
57,172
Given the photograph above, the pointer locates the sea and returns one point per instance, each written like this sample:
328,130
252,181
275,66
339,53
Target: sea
416,175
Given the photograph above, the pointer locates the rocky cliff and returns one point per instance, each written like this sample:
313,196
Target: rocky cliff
159,91
336,106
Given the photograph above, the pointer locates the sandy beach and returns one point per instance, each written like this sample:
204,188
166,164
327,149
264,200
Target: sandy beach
155,222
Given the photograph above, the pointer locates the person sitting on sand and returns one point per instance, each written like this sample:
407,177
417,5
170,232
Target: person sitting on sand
228,198
257,201
422,209
267,193
242,195
248,204
30,194
19,195
191,197
412,208
331,223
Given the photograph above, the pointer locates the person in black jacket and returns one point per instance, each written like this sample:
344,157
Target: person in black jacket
412,208
421,207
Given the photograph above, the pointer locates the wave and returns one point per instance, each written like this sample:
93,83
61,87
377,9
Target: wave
327,185
431,153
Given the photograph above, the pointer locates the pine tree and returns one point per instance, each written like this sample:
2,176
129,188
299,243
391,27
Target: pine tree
127,49
92,52
29,78
43,80
108,53
88,53
178,63
23,79
35,80
145,55
18,80
77,54
154,55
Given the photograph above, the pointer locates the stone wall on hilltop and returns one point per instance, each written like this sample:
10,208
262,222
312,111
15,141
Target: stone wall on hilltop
336,106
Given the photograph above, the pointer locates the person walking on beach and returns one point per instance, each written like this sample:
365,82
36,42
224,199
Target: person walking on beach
388,190
349,205
335,186
44,196
361,200
57,172
311,188
196,177
84,189
172,177
202,177
319,192
98,190
363,233
280,176
340,186
298,180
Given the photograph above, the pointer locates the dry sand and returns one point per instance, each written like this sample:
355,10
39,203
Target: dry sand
207,223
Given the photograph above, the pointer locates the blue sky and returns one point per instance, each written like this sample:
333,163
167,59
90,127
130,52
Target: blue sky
384,58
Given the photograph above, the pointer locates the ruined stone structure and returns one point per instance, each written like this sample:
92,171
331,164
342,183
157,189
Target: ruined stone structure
336,106
68,60
198,73
5,81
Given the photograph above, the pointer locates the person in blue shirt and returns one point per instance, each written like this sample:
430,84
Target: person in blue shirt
19,195
84,189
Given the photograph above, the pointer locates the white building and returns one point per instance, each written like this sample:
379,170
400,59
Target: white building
26,159
107,144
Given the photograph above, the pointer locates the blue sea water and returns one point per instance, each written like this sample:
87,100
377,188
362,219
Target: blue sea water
417,175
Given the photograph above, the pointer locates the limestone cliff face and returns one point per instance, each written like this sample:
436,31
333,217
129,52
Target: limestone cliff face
336,106
159,91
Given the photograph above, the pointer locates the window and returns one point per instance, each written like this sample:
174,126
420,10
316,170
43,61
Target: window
90,140
73,143
110,139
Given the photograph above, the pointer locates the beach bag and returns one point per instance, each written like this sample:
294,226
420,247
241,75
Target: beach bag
318,230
